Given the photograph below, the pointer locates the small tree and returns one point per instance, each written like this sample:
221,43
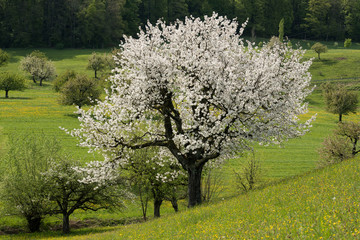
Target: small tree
97,63
38,66
334,149
281,30
24,192
80,91
71,188
62,79
347,43
10,81
319,48
4,57
211,182
351,131
154,174
339,100
251,174
341,145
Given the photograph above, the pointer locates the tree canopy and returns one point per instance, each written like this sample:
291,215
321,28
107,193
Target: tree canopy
339,100
199,92
101,23
11,81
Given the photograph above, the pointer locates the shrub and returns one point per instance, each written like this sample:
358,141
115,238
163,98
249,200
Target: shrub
341,145
24,192
80,91
4,57
62,79
347,43
251,174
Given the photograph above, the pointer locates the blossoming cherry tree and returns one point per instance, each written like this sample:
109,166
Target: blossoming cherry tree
196,89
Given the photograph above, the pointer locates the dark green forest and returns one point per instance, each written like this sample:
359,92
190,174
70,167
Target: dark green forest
102,23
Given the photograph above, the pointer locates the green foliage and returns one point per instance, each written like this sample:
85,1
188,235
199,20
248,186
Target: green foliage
152,178
38,54
66,186
341,145
4,57
23,191
281,30
319,48
80,91
102,23
62,79
347,43
334,149
11,81
339,100
351,131
97,63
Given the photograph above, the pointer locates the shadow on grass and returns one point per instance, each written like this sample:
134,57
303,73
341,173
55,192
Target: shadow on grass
328,62
57,234
77,228
16,98
72,115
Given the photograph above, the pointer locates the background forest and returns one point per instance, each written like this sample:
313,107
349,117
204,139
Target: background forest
101,23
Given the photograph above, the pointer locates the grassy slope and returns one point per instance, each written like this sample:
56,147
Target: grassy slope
322,204
36,108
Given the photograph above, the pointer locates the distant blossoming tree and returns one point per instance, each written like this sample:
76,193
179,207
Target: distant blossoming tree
196,89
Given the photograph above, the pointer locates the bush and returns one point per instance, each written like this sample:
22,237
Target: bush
62,79
24,193
341,145
251,174
4,57
347,43
80,91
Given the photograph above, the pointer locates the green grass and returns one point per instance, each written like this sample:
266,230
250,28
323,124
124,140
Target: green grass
322,204
37,109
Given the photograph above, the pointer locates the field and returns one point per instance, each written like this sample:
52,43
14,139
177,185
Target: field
325,200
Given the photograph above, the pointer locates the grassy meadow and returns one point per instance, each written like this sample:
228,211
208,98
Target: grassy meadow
299,203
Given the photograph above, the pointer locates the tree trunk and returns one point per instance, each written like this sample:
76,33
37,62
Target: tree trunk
6,93
340,117
354,152
34,223
157,204
174,204
194,185
33,78
41,80
66,223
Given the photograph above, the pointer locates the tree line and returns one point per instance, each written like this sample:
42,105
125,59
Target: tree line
102,23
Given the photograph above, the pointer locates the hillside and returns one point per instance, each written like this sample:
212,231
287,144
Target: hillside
296,208
322,204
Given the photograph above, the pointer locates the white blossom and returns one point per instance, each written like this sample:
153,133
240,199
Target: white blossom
199,90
